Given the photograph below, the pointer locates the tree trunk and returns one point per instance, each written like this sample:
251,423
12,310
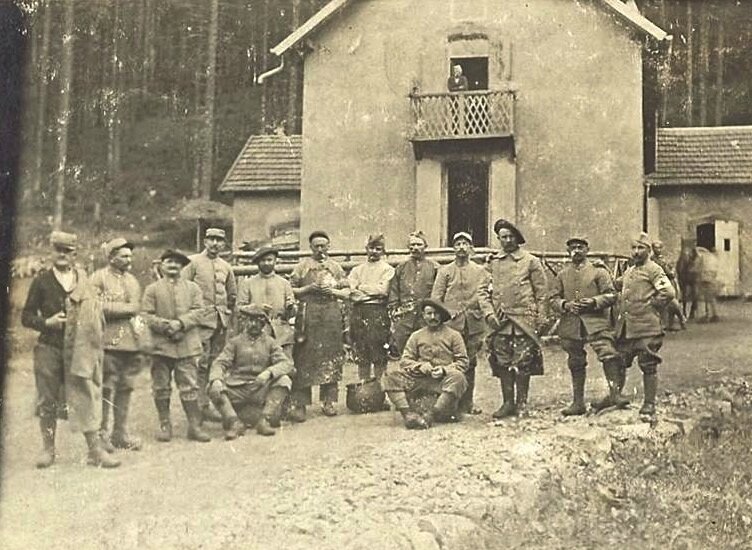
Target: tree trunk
66,70
294,77
211,82
264,60
690,67
112,118
41,122
704,63
195,137
718,119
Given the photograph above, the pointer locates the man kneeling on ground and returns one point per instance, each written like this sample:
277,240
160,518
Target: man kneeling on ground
434,361
252,370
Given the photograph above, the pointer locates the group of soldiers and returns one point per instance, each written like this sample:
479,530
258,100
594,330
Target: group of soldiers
250,352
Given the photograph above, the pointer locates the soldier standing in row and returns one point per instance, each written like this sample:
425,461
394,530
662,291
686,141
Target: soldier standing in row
456,286
217,282
173,309
274,294
645,291
412,282
674,307
582,295
514,306
63,308
120,293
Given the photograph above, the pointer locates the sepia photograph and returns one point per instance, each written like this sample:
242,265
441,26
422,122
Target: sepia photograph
376,274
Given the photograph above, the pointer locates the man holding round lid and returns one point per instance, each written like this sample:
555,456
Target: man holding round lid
582,294
456,286
68,356
319,353
120,293
251,371
645,291
435,361
273,293
514,306
412,282
218,287
369,321
173,308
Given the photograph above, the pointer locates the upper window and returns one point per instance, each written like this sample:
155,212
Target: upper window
475,69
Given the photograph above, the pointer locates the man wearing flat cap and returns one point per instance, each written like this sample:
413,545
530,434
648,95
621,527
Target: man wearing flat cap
435,361
369,321
173,309
456,286
319,352
645,291
251,371
582,295
217,282
273,293
514,307
68,357
120,293
412,282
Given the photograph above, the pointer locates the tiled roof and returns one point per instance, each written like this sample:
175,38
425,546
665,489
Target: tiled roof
266,163
720,155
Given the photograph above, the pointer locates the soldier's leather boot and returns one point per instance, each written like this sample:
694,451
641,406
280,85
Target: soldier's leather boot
97,455
104,430
233,428
508,407
413,421
616,377
445,409
523,386
577,407
650,386
192,412
208,414
120,438
297,414
263,427
273,405
164,433
48,427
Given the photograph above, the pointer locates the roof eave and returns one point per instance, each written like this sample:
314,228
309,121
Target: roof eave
636,20
258,189
317,19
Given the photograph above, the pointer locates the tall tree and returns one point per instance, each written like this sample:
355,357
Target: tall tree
690,67
293,126
41,118
720,66
704,63
211,83
63,118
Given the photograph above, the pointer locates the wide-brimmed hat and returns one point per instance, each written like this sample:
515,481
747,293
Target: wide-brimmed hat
61,239
578,239
252,310
506,224
438,306
263,252
176,255
110,247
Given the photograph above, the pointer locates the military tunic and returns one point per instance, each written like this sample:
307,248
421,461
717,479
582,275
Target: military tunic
412,282
275,291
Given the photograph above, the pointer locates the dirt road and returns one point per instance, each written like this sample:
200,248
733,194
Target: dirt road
346,482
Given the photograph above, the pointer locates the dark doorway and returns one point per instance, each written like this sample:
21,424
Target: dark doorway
706,235
475,69
467,200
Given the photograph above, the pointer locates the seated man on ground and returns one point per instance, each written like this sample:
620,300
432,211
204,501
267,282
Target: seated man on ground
434,361
251,371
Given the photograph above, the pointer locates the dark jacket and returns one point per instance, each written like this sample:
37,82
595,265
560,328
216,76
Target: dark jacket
46,298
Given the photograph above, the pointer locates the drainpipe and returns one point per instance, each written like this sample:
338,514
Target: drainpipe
645,203
271,72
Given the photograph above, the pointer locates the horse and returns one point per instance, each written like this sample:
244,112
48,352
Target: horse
687,274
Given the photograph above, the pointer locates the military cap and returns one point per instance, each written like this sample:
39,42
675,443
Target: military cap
61,239
377,239
263,252
462,235
318,233
215,232
419,235
252,310
438,306
643,239
578,239
506,224
110,247
175,255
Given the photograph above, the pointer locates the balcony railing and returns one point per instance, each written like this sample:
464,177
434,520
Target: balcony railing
462,115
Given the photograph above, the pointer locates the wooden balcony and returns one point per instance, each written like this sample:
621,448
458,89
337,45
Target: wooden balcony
462,115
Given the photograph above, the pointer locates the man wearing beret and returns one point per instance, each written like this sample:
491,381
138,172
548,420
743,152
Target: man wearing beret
173,308
645,291
412,282
68,356
434,360
217,282
582,294
456,286
273,293
120,294
514,306
369,321
252,370
319,353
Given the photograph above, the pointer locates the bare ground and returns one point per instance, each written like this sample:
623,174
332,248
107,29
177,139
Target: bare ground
366,482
